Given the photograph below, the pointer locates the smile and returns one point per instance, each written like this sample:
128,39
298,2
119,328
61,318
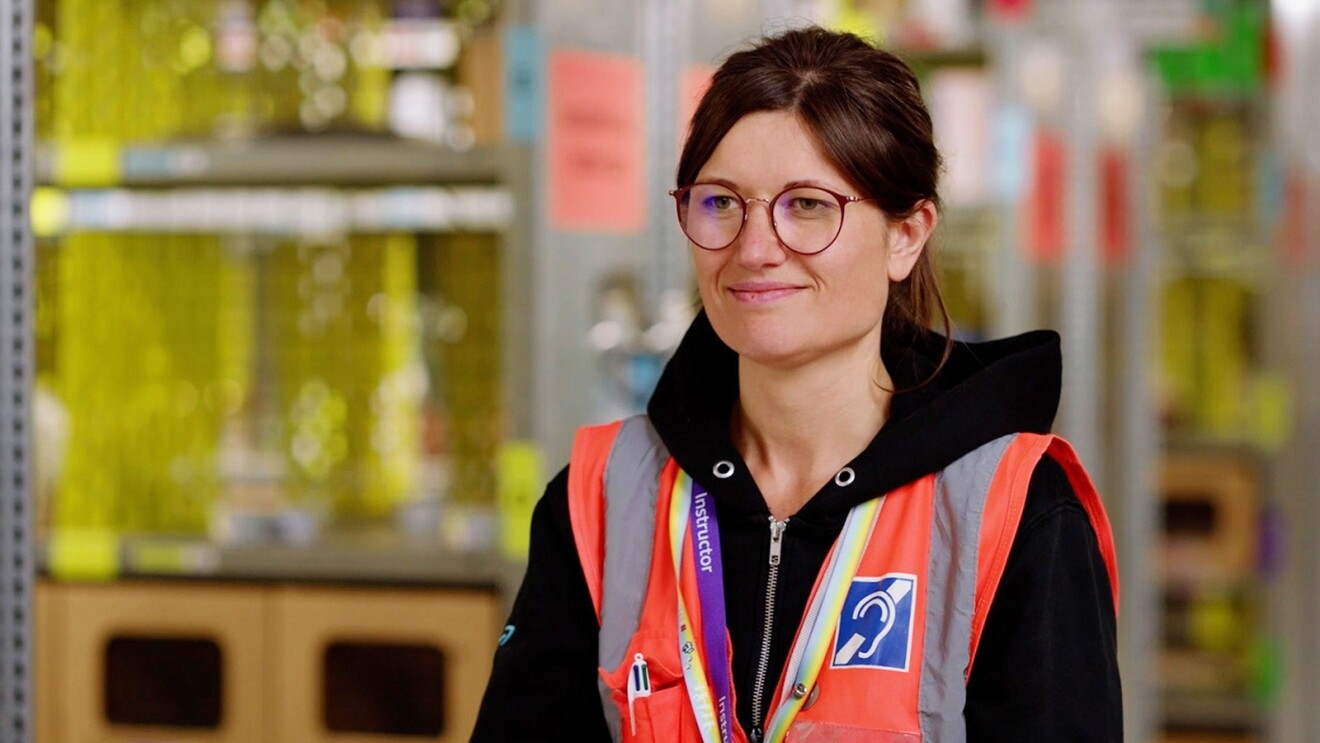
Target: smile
759,292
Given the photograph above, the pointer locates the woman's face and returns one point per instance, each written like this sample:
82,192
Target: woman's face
776,307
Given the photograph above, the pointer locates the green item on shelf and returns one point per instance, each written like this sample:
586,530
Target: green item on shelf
1229,61
1268,664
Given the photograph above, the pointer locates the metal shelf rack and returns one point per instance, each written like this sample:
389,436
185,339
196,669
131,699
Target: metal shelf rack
16,563
280,160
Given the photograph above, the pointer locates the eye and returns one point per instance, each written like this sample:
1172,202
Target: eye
720,202
805,204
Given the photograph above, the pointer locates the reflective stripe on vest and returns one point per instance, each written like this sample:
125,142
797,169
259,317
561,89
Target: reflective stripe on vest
961,492
971,508
630,488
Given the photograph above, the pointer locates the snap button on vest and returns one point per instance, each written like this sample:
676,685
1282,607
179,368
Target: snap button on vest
723,469
815,694
845,477
799,691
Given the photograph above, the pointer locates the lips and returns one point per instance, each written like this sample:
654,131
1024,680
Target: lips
759,292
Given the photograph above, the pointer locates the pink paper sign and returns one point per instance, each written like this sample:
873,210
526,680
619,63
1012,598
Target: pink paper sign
596,144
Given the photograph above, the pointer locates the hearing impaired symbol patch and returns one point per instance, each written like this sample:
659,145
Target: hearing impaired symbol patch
875,630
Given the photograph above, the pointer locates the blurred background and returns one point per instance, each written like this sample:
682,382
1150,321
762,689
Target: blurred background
303,299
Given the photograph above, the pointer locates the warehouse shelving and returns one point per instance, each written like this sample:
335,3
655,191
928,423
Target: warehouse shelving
287,210
276,160
17,580
442,209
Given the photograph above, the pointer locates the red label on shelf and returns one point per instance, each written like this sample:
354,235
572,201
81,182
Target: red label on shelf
1115,211
1046,205
595,142
1010,10
1293,229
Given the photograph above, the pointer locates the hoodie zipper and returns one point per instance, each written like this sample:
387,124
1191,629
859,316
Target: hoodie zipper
763,665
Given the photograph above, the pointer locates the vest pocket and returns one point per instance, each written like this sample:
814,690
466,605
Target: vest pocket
662,717
659,710
811,731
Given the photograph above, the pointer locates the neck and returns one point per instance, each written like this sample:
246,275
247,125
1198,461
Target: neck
797,427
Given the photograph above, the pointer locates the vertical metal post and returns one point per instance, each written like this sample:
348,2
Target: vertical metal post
1296,598
1307,330
1294,602
1138,443
520,176
1079,307
1010,283
16,572
664,52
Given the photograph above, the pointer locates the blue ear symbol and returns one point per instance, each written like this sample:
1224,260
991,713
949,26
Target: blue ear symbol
508,632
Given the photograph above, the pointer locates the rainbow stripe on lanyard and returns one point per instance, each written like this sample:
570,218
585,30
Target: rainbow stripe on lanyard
691,506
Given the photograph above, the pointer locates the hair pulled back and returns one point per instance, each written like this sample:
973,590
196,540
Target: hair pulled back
864,106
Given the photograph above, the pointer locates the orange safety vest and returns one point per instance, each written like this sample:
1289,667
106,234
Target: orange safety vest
905,683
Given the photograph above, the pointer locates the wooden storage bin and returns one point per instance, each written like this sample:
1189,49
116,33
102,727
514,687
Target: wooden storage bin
45,648
481,71
143,662
1211,502
416,661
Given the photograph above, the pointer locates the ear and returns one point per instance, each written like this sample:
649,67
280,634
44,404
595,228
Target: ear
907,238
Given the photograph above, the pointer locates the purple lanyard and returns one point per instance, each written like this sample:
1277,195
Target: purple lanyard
710,590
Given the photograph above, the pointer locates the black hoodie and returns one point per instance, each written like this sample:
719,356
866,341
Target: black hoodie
1046,667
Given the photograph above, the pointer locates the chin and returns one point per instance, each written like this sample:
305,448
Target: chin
778,341
765,340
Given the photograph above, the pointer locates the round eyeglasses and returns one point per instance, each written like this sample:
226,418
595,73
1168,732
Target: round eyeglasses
806,219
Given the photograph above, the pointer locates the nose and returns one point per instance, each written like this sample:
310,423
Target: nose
758,244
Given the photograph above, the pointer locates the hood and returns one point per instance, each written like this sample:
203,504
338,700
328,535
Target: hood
986,390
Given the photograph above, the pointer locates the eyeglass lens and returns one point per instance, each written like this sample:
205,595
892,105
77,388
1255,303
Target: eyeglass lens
806,219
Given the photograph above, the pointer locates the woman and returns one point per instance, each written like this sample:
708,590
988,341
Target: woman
974,601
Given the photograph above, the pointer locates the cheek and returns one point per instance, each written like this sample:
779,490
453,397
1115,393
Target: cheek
705,268
863,285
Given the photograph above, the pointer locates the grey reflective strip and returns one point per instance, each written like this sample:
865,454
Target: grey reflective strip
960,496
632,480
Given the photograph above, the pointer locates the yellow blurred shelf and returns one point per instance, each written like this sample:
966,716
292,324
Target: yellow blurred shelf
350,557
277,160
273,210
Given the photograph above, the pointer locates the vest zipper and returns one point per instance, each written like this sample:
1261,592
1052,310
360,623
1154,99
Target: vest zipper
763,665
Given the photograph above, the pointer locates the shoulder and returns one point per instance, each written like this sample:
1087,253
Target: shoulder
1051,629
551,512
593,444
1057,534
1050,495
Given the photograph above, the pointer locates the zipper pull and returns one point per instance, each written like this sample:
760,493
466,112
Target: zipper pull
776,540
639,686
755,737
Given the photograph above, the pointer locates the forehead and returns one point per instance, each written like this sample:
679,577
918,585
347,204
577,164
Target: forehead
769,149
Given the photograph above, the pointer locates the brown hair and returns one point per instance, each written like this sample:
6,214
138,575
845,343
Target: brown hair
864,106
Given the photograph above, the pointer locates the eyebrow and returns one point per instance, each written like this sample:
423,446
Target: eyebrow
810,184
791,184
